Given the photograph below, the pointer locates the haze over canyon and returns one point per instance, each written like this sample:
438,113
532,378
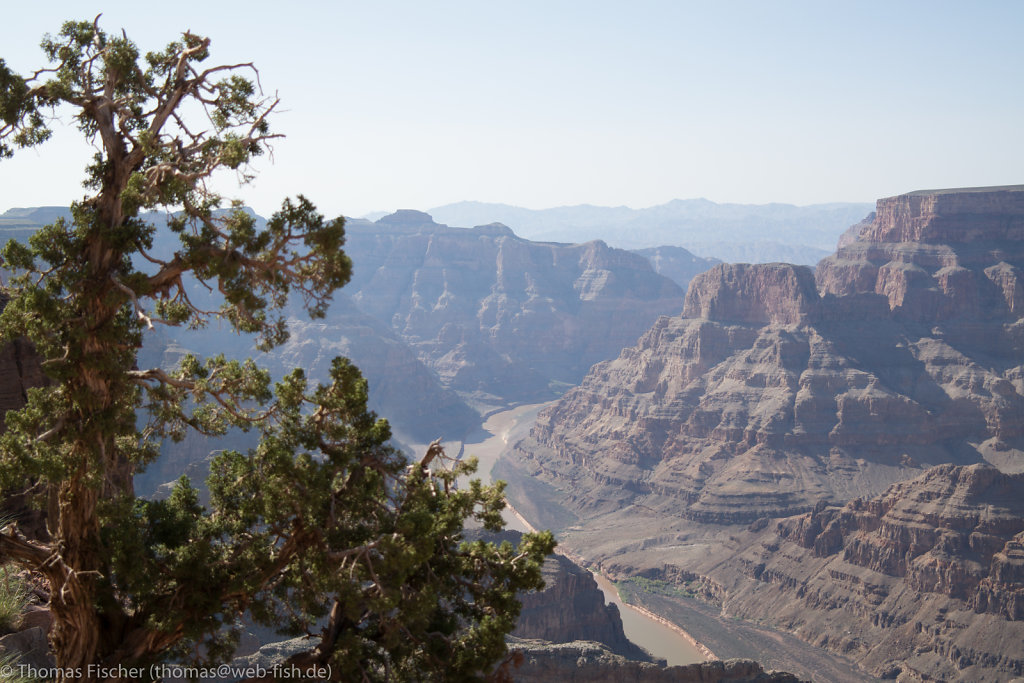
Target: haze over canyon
827,453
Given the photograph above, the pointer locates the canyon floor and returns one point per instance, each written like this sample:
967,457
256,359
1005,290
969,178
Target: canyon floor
726,637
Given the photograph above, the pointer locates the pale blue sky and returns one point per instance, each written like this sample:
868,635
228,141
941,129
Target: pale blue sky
414,104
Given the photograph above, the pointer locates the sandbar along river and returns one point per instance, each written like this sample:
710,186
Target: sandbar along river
504,428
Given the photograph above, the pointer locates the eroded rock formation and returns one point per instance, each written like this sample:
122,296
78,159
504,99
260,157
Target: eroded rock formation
571,607
777,388
926,579
877,405
499,316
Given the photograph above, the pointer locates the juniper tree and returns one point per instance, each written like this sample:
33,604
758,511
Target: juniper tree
323,527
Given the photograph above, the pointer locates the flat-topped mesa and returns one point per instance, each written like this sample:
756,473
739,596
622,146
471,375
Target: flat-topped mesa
761,294
407,218
950,216
936,255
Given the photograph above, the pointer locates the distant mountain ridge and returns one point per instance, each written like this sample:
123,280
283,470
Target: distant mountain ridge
752,233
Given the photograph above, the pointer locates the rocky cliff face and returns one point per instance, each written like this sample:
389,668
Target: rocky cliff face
20,370
926,580
571,607
498,316
779,393
777,388
590,663
937,256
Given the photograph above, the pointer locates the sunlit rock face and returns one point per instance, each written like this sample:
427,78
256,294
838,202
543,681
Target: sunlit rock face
777,388
937,256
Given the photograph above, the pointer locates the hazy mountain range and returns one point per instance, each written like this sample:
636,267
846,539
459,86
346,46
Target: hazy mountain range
748,233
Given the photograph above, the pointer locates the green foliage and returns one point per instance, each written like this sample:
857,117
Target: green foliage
15,676
323,523
633,584
14,598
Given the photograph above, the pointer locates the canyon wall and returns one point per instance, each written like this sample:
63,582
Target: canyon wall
572,608
755,445
777,388
497,317
926,580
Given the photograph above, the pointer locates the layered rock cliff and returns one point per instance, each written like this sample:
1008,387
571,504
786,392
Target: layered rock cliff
780,392
926,580
778,388
571,607
937,256
498,316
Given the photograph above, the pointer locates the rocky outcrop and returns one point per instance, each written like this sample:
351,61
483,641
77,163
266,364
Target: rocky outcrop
926,580
959,216
540,662
572,607
769,294
20,370
499,317
777,388
936,256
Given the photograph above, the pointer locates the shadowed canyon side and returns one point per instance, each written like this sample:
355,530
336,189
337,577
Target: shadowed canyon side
500,318
495,317
676,263
780,391
20,370
571,608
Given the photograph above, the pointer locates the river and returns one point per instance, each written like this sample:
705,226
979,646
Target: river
487,444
